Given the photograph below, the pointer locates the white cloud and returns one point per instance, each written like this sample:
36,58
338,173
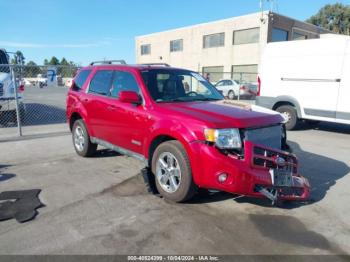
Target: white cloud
66,45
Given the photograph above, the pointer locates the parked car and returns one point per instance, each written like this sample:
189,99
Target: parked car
181,127
231,88
7,91
41,80
252,89
307,80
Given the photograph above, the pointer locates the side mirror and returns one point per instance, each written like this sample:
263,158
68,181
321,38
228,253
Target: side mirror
130,97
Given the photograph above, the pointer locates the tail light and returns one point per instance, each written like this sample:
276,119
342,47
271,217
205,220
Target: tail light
242,88
21,89
259,86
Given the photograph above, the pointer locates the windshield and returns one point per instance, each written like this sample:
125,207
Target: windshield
166,85
4,61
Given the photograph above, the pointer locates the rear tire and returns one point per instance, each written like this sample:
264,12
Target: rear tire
81,140
231,95
291,114
172,170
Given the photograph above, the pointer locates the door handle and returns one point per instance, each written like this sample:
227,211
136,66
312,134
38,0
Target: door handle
111,108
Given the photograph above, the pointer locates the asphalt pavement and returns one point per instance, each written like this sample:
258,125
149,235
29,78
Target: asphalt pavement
100,205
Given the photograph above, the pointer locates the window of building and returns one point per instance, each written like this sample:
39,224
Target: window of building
246,73
246,36
214,40
297,36
80,79
123,81
213,73
101,82
176,45
279,35
145,49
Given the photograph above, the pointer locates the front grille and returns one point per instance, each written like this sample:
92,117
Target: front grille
266,158
270,136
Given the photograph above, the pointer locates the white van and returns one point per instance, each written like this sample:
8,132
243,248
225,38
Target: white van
7,91
307,79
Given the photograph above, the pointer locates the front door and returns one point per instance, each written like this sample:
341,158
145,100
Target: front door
128,122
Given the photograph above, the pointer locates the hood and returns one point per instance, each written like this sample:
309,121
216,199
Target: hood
4,76
224,114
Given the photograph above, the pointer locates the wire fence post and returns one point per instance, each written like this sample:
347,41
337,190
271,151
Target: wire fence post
240,86
18,115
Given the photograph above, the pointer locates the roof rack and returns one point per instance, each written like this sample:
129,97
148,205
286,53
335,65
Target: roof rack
108,62
157,64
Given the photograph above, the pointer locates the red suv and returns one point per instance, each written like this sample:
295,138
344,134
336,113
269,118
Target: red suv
184,131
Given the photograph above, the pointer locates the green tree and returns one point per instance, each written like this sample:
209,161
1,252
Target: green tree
66,69
335,18
54,61
18,58
32,69
46,62
64,62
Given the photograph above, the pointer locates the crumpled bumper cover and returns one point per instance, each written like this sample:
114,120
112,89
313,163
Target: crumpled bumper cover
246,175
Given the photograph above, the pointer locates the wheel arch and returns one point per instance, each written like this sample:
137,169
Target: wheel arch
162,137
288,100
74,117
79,114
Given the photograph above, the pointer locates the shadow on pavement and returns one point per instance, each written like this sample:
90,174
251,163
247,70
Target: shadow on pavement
41,114
4,177
325,126
105,153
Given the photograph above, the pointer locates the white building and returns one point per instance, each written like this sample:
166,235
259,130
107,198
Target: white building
227,48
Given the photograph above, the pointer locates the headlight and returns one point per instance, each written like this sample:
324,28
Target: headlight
224,138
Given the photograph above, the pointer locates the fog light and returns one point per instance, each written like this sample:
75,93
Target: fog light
222,178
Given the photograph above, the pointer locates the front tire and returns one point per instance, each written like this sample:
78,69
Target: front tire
291,115
81,140
172,170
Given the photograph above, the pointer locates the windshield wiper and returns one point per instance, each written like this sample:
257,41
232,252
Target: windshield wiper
208,99
172,100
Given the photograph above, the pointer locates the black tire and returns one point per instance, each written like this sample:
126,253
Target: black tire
231,95
293,116
88,149
186,188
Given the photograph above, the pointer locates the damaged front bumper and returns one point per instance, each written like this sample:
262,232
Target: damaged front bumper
261,172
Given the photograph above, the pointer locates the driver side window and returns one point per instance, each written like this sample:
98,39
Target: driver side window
123,81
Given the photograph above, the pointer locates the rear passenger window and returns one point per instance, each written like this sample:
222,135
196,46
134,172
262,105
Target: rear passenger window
80,80
123,81
101,82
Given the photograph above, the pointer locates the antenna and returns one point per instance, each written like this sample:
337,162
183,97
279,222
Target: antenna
273,7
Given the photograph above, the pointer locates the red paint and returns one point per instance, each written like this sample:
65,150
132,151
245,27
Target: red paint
134,126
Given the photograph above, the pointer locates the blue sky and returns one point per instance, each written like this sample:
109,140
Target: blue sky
86,30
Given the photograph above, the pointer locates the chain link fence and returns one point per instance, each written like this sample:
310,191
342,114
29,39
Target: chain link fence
33,99
234,85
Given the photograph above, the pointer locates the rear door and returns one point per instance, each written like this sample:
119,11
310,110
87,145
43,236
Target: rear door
343,108
96,102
